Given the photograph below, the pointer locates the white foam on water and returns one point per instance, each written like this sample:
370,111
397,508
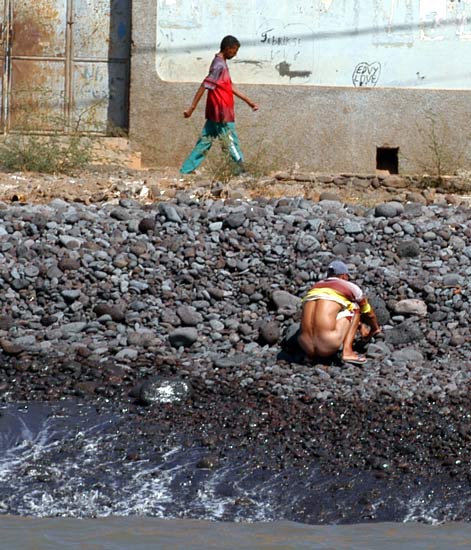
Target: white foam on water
156,491
211,506
42,504
136,487
25,449
428,508
422,509
81,479
204,504
148,491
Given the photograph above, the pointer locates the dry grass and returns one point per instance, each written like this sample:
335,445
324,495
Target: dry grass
60,149
52,154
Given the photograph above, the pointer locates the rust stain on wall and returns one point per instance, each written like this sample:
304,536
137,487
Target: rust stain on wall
36,100
38,31
23,104
68,56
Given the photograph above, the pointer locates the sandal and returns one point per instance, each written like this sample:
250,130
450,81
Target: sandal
358,360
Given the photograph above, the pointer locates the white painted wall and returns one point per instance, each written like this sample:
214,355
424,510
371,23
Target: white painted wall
383,43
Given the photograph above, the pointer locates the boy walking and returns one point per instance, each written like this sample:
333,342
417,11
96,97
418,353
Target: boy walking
219,109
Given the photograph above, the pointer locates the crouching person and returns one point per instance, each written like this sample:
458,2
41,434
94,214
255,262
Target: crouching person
334,309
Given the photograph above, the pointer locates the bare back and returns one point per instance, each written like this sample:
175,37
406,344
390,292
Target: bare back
321,332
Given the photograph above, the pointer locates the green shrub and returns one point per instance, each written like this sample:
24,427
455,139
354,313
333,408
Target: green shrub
50,154
41,141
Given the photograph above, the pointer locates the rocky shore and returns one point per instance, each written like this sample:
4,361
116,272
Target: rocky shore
183,311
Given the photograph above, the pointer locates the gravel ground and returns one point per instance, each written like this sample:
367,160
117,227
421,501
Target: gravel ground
183,309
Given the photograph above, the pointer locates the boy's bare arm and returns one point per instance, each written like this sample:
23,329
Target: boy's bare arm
242,96
199,94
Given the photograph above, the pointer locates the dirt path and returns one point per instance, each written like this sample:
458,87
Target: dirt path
107,183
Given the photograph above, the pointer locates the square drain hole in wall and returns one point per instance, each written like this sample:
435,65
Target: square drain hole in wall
387,158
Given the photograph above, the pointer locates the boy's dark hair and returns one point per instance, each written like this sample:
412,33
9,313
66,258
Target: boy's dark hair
229,41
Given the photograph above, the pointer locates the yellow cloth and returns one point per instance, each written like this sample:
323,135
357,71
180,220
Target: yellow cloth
324,293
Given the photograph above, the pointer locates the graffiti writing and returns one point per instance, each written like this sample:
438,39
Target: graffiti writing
278,40
259,64
366,74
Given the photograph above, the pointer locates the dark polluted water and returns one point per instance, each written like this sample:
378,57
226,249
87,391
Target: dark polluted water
75,460
79,476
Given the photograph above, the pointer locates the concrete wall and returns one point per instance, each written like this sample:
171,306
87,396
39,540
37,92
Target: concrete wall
335,80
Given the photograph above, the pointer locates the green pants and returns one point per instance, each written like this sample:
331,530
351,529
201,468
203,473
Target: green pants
225,132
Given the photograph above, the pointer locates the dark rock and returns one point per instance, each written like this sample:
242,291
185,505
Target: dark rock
170,212
121,214
70,296
114,311
290,339
457,340
68,264
379,306
216,293
408,249
235,220
9,347
404,333
146,224
285,300
185,337
270,332
6,322
340,250
189,316
452,280
307,243
389,209
168,316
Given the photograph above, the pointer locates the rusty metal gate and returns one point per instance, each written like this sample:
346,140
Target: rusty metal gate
66,65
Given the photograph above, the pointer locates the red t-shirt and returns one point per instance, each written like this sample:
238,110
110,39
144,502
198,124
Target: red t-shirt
220,100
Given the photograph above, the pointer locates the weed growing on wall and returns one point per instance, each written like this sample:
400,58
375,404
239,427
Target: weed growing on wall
441,156
263,160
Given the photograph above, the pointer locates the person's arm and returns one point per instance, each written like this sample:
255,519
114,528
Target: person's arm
371,320
199,94
368,318
242,96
